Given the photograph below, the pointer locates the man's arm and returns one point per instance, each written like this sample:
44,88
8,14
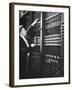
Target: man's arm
32,24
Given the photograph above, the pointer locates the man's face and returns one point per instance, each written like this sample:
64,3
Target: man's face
23,32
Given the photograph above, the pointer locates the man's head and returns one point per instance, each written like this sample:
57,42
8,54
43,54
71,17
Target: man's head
22,30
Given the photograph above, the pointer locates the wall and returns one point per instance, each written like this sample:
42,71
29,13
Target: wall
4,44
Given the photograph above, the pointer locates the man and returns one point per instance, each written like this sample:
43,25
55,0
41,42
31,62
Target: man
24,47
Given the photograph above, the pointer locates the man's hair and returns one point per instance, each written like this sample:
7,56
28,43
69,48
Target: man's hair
20,28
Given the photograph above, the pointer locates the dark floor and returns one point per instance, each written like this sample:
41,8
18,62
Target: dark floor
43,70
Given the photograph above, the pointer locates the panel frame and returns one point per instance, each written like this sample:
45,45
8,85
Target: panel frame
11,44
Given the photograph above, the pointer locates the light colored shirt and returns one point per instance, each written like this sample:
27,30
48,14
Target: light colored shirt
25,40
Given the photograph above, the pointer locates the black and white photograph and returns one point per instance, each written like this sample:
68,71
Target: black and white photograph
40,52
41,44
